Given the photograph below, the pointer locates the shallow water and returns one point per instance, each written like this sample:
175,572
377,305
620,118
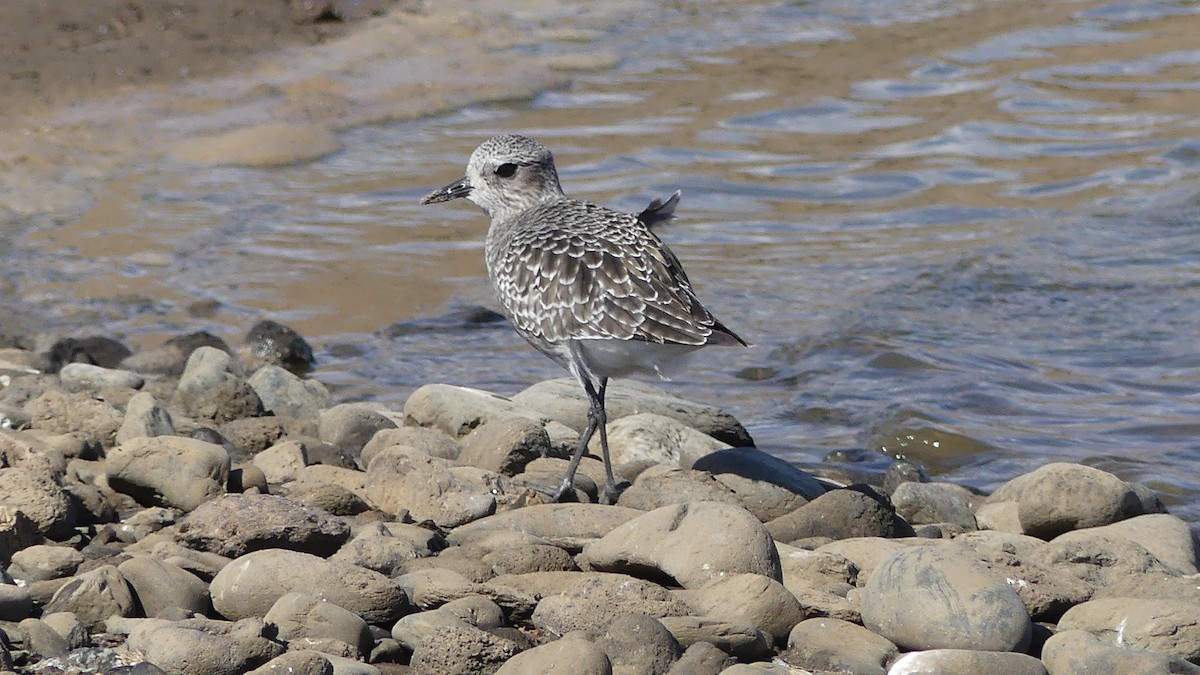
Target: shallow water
964,235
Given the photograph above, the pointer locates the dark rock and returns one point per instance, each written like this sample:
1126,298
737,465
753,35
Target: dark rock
213,387
1060,497
636,643
856,511
97,350
271,342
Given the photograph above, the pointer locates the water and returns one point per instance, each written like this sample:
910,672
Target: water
966,235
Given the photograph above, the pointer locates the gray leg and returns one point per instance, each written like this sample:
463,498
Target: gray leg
568,483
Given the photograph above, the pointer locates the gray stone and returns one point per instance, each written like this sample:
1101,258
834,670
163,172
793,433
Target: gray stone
93,378
17,532
299,662
145,417
767,486
926,503
563,400
966,661
1069,652
648,438
702,658
570,526
335,499
817,570
530,558
593,600
68,626
213,387
840,646
1159,624
42,641
433,442
572,653
462,649
637,643
1100,559
505,445
39,498
458,410
748,598
841,514
203,646
282,462
349,426
375,548
1060,497
251,584
62,412
403,479
285,394
1164,536
305,616
169,471
740,640
160,585
94,596
660,486
931,598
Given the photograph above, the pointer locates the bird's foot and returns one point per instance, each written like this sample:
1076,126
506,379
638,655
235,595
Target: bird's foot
610,494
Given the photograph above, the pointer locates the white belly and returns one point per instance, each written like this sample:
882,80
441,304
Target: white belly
622,358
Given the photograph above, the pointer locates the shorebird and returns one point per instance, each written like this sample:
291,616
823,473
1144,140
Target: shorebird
593,289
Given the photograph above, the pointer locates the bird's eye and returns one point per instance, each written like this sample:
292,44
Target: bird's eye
506,170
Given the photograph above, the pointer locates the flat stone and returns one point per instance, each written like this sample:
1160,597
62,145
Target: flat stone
42,562
570,526
749,598
432,442
458,410
740,640
593,600
841,514
767,486
649,438
1163,625
834,645
1068,652
1164,536
349,426
169,471
404,479
204,646
93,378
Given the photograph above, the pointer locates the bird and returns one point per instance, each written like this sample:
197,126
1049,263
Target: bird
594,289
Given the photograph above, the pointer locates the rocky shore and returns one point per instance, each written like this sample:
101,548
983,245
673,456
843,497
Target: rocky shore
197,508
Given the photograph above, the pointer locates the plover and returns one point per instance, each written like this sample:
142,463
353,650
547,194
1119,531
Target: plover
593,289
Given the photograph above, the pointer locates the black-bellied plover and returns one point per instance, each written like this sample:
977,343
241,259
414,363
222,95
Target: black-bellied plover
593,289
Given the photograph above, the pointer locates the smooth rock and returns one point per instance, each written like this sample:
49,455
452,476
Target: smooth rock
349,426
845,513
458,410
169,471
17,532
593,600
213,387
927,503
1069,652
648,438
1060,497
41,562
238,524
939,661
93,378
929,598
203,646
1166,537
505,445
251,584
68,627
1099,559
701,658
432,442
404,479
660,486
840,646
298,615
335,499
41,641
1158,624
282,462
570,654
94,596
564,401
766,486
39,498
817,570
63,412
269,342
748,598
283,393
299,662
145,417
570,526
693,544
740,640
160,585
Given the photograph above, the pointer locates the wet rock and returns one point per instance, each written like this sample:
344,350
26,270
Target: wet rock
41,562
701,658
926,503
592,600
572,653
966,661
92,378
169,471
766,486
432,442
1164,625
1164,536
204,646
40,498
1060,497
740,640
145,417
272,343
304,616
1068,652
15,602
838,646
299,662
61,412
564,401
213,387
505,445
251,584
282,462
94,596
284,393
238,524
637,643
847,513
403,479
462,649
458,410
160,585
647,438
749,598
692,544
930,598
350,426
95,349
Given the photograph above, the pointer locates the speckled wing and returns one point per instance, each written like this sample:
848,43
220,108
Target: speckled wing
570,269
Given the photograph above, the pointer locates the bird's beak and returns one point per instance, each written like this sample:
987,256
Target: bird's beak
459,188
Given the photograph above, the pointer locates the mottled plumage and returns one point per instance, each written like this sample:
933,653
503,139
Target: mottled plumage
594,289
